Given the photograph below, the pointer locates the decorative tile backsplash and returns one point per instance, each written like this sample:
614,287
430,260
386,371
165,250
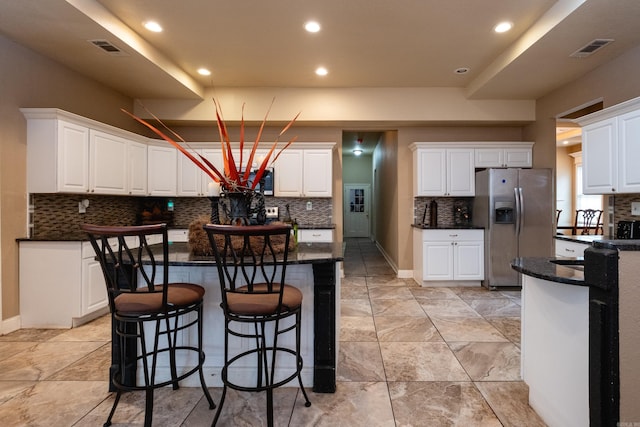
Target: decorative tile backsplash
56,216
449,210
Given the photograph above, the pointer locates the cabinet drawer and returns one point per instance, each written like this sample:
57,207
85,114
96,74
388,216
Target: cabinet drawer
452,235
565,248
178,235
322,235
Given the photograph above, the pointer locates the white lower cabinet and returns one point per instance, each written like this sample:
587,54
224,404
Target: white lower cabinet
61,284
448,255
565,248
315,235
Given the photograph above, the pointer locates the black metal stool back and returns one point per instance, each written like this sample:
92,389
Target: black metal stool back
137,279
251,263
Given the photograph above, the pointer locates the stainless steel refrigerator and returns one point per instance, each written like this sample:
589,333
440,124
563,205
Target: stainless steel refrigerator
515,207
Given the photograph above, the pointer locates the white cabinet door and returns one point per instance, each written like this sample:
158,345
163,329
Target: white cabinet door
518,157
431,166
288,174
509,157
317,175
316,235
189,176
437,261
445,172
468,260
109,159
569,249
599,157
628,152
461,177
213,155
137,168
73,158
489,158
94,291
162,170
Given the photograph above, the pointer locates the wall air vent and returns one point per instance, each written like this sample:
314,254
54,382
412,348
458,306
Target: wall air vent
108,47
591,48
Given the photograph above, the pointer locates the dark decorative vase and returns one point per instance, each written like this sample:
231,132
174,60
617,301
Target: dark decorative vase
239,209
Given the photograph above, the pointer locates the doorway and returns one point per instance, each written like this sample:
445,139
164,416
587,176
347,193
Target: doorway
357,208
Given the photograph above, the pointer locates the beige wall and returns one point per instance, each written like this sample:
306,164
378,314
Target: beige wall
30,80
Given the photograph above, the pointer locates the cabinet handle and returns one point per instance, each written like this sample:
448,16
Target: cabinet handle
569,250
613,189
453,235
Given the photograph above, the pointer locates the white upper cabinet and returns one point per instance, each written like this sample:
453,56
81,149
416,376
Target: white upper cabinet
137,168
444,172
108,165
304,173
193,181
504,157
71,154
611,148
162,170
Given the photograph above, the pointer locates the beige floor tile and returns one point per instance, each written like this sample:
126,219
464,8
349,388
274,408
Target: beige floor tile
429,361
360,361
31,335
93,367
440,404
9,349
489,361
405,329
509,327
355,307
97,330
466,329
354,292
390,292
448,308
510,402
357,328
390,280
10,389
353,404
53,403
44,359
495,307
397,307
422,293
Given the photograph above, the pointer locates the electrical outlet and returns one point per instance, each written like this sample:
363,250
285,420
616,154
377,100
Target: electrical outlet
309,206
635,208
272,212
83,205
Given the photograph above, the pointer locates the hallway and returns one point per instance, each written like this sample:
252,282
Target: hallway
408,356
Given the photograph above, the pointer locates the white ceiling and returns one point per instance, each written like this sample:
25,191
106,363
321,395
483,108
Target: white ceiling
363,43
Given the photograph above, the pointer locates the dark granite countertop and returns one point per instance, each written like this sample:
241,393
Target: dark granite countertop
606,242
447,227
570,272
316,226
305,253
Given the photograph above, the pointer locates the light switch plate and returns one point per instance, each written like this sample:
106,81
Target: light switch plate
635,208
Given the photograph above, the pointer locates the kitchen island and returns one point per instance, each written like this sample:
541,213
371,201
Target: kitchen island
600,296
313,268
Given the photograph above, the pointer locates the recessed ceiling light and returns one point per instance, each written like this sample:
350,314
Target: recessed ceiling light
357,151
312,26
503,27
153,26
321,71
204,72
461,70
565,142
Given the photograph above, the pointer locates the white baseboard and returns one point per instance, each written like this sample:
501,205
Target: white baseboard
10,325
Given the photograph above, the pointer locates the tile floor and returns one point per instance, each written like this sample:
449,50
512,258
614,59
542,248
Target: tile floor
409,356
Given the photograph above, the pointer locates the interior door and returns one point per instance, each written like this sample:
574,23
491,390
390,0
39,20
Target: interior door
357,205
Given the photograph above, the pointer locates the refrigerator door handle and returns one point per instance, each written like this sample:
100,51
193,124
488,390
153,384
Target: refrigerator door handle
518,210
521,215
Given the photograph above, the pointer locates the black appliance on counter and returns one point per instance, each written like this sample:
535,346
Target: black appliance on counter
628,230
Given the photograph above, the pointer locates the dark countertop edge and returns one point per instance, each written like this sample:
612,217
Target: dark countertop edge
447,227
619,244
305,253
585,239
543,268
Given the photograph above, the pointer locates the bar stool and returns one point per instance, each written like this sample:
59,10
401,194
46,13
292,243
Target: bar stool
257,306
148,313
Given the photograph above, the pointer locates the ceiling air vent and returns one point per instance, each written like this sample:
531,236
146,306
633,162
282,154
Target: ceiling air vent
108,47
591,48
